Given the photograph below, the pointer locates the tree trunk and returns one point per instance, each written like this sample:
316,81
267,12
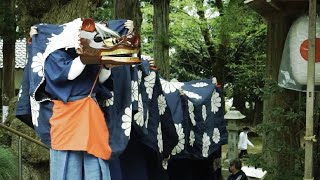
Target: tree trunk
9,39
239,102
73,9
257,116
53,12
281,134
161,36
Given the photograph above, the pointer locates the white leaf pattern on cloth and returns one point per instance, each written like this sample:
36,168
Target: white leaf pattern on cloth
139,76
177,84
200,84
205,145
109,102
215,102
170,87
162,104
216,135
37,64
20,93
192,138
165,163
191,113
204,112
138,117
147,119
180,146
192,95
35,107
149,82
159,138
126,121
134,90
68,38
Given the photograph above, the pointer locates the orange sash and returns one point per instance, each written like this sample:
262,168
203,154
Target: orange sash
80,125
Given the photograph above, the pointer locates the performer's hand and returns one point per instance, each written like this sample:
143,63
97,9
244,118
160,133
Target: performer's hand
150,60
129,25
33,31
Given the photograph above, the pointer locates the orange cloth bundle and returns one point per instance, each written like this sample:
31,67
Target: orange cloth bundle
80,125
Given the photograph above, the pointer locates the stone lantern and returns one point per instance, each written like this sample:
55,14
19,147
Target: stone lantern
233,116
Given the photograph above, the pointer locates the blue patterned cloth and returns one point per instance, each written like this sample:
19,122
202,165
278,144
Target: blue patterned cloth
175,119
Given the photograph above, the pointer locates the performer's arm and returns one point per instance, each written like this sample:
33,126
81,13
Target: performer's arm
104,74
76,68
250,143
241,136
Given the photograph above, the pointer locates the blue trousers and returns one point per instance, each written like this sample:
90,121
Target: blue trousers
77,165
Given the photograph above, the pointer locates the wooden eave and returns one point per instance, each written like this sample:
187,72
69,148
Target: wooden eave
273,9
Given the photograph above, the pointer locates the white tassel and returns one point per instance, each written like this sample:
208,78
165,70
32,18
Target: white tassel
105,32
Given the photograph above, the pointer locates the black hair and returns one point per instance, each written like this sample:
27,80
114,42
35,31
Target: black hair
246,129
236,162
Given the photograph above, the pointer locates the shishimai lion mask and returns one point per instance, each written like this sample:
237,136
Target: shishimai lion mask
99,44
116,43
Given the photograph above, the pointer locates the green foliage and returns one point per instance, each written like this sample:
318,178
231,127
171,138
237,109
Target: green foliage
7,15
8,165
189,56
5,137
246,51
271,87
12,109
284,143
105,12
147,29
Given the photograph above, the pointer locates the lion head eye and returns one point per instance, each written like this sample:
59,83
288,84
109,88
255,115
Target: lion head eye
97,38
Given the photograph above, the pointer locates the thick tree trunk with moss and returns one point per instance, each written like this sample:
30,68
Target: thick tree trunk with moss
8,89
54,12
281,140
9,38
161,36
69,11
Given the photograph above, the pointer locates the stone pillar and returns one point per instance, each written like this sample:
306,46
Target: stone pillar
233,116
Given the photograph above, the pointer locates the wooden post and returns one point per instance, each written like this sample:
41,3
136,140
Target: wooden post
308,165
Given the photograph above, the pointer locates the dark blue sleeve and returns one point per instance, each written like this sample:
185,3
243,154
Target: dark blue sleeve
23,107
56,68
145,66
